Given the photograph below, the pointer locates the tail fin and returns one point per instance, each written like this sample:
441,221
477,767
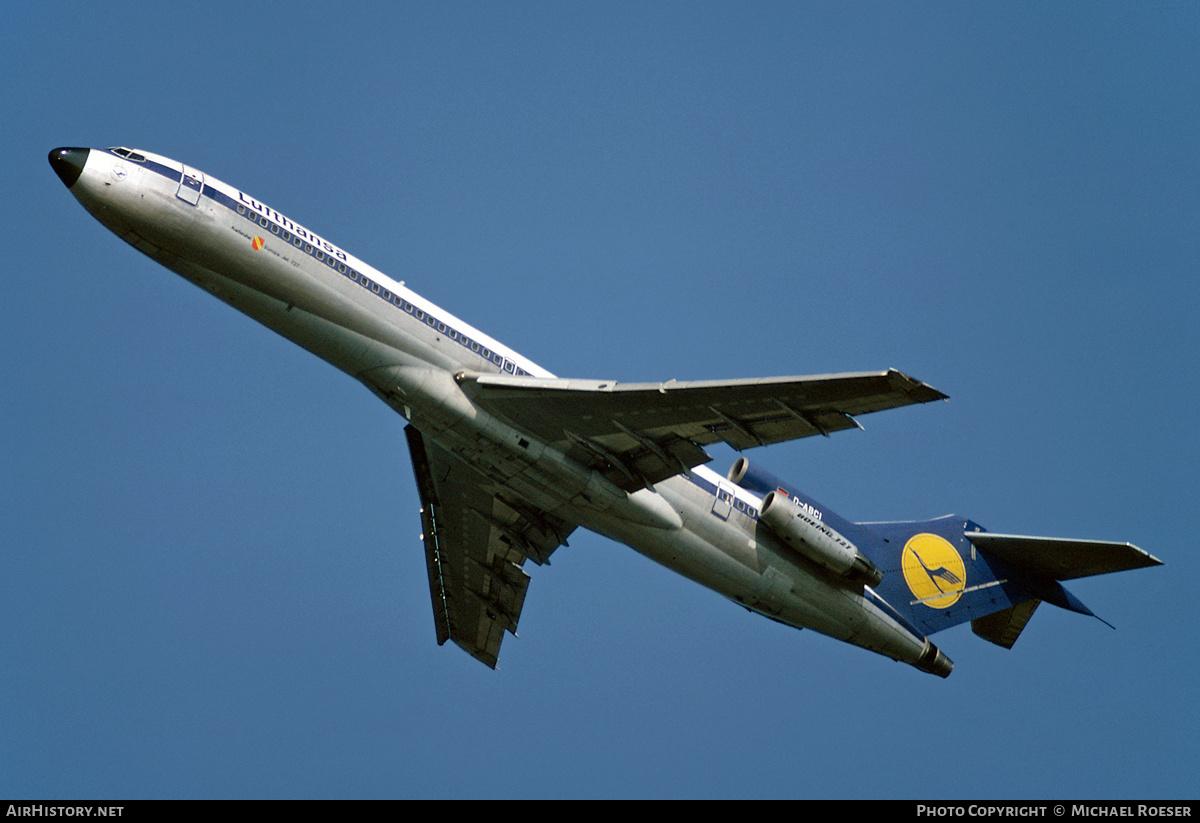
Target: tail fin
940,573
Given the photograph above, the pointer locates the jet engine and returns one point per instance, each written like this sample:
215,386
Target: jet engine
798,525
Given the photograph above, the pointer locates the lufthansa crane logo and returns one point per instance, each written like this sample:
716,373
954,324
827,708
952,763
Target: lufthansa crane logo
933,570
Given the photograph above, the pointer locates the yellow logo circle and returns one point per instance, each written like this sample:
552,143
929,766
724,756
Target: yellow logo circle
933,570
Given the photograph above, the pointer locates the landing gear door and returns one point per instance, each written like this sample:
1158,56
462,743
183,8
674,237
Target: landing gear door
190,185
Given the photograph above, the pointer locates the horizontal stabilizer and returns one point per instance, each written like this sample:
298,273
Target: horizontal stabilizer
1059,558
1004,627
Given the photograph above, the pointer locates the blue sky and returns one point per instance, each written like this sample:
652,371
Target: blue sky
211,583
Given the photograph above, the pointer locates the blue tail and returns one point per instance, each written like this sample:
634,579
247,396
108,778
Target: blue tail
939,573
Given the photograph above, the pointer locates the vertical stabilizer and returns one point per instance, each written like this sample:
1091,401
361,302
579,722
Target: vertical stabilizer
940,573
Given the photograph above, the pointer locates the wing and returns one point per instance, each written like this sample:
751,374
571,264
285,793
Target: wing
477,536
639,433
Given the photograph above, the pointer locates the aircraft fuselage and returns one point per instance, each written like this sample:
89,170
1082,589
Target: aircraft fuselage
420,359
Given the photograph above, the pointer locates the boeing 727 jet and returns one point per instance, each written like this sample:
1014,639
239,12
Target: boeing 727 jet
509,459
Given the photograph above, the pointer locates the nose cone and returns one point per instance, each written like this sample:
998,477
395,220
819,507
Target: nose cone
68,164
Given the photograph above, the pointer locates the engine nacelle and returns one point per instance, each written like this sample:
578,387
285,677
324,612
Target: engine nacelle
754,478
799,526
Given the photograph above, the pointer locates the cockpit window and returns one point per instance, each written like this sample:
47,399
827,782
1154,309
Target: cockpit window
128,154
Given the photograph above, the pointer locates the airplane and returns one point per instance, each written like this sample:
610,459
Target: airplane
509,459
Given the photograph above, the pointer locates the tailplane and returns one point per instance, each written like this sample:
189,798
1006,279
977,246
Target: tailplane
940,573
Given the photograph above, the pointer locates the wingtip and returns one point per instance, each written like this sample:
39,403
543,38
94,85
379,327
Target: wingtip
919,391
1148,560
